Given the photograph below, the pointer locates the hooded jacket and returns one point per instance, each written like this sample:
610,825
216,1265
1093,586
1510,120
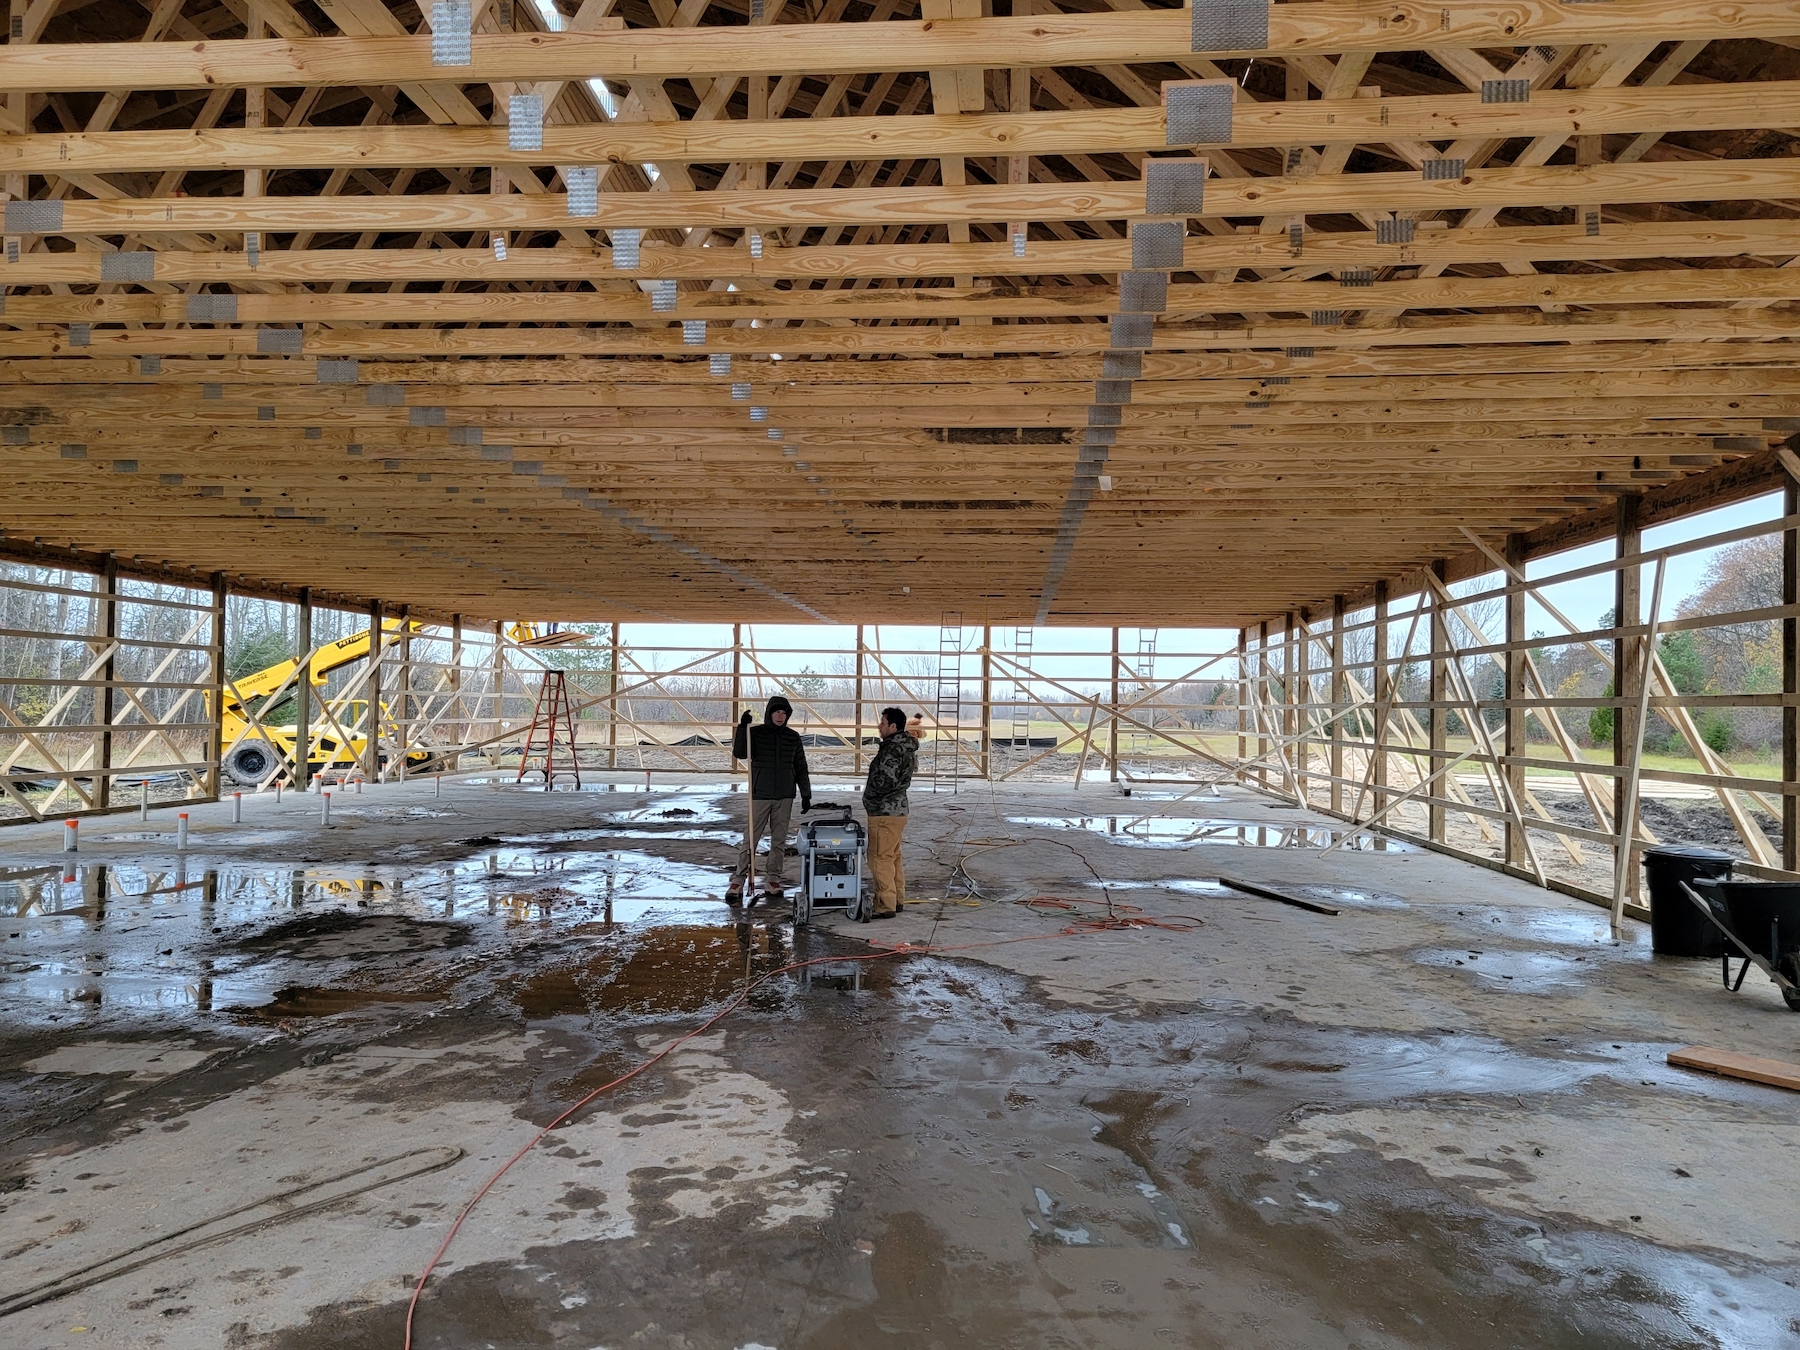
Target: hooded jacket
777,757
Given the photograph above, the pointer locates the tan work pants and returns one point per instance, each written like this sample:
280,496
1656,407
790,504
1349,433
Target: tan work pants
885,868
770,818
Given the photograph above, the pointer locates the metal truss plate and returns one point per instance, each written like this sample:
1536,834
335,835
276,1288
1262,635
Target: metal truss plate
1230,26
1131,332
1122,366
1157,245
212,309
1143,292
1198,113
26,217
1175,187
127,267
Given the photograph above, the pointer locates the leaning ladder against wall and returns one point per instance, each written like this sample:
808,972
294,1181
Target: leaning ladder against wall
1021,708
946,749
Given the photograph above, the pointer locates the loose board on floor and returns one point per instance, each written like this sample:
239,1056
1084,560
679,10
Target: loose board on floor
1752,1068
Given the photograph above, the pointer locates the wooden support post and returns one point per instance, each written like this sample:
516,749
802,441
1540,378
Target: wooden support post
403,718
1627,660
107,703
1512,743
1439,723
459,717
1627,820
215,750
1382,691
859,698
1112,739
1243,699
498,707
371,756
987,701
737,674
1339,701
1302,680
1262,703
1790,683
612,701
303,692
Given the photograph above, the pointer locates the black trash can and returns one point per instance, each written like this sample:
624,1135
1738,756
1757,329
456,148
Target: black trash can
1677,927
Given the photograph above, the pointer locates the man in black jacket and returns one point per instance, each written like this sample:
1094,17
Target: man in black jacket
777,768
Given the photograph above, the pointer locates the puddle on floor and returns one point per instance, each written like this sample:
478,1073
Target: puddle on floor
1582,927
654,972
1513,971
314,1001
679,968
1186,831
79,943
583,841
1374,1067
508,784
1349,897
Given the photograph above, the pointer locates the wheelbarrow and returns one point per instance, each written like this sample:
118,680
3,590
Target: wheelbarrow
1746,910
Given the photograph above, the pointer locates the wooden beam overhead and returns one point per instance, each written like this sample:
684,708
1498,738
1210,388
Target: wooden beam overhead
1598,112
670,316
1550,186
1132,37
1322,251
1660,286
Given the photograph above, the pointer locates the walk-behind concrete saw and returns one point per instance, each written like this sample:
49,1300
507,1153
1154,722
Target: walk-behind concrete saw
831,869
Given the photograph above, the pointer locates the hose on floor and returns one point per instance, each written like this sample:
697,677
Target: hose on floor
1115,921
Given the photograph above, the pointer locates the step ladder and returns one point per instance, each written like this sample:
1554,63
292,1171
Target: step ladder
554,720
946,750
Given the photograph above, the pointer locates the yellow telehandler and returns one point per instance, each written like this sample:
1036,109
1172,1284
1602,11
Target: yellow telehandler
251,757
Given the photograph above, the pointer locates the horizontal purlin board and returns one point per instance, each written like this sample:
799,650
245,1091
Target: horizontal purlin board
1386,452
1027,411
1329,27
1691,325
1323,249
1730,180
925,395
1271,893
1092,131
1642,287
424,379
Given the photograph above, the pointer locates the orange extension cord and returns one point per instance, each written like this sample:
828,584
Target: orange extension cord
1119,918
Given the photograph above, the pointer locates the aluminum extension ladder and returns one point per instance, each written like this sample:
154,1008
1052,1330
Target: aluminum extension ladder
1021,708
946,750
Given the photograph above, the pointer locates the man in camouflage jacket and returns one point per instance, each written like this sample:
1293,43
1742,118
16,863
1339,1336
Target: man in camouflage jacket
885,803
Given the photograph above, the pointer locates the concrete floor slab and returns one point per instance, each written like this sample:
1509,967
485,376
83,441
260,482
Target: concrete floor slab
1441,1116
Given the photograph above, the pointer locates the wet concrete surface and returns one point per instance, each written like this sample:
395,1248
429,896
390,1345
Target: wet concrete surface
1442,1117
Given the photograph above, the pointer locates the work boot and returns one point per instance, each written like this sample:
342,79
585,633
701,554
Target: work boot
734,895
